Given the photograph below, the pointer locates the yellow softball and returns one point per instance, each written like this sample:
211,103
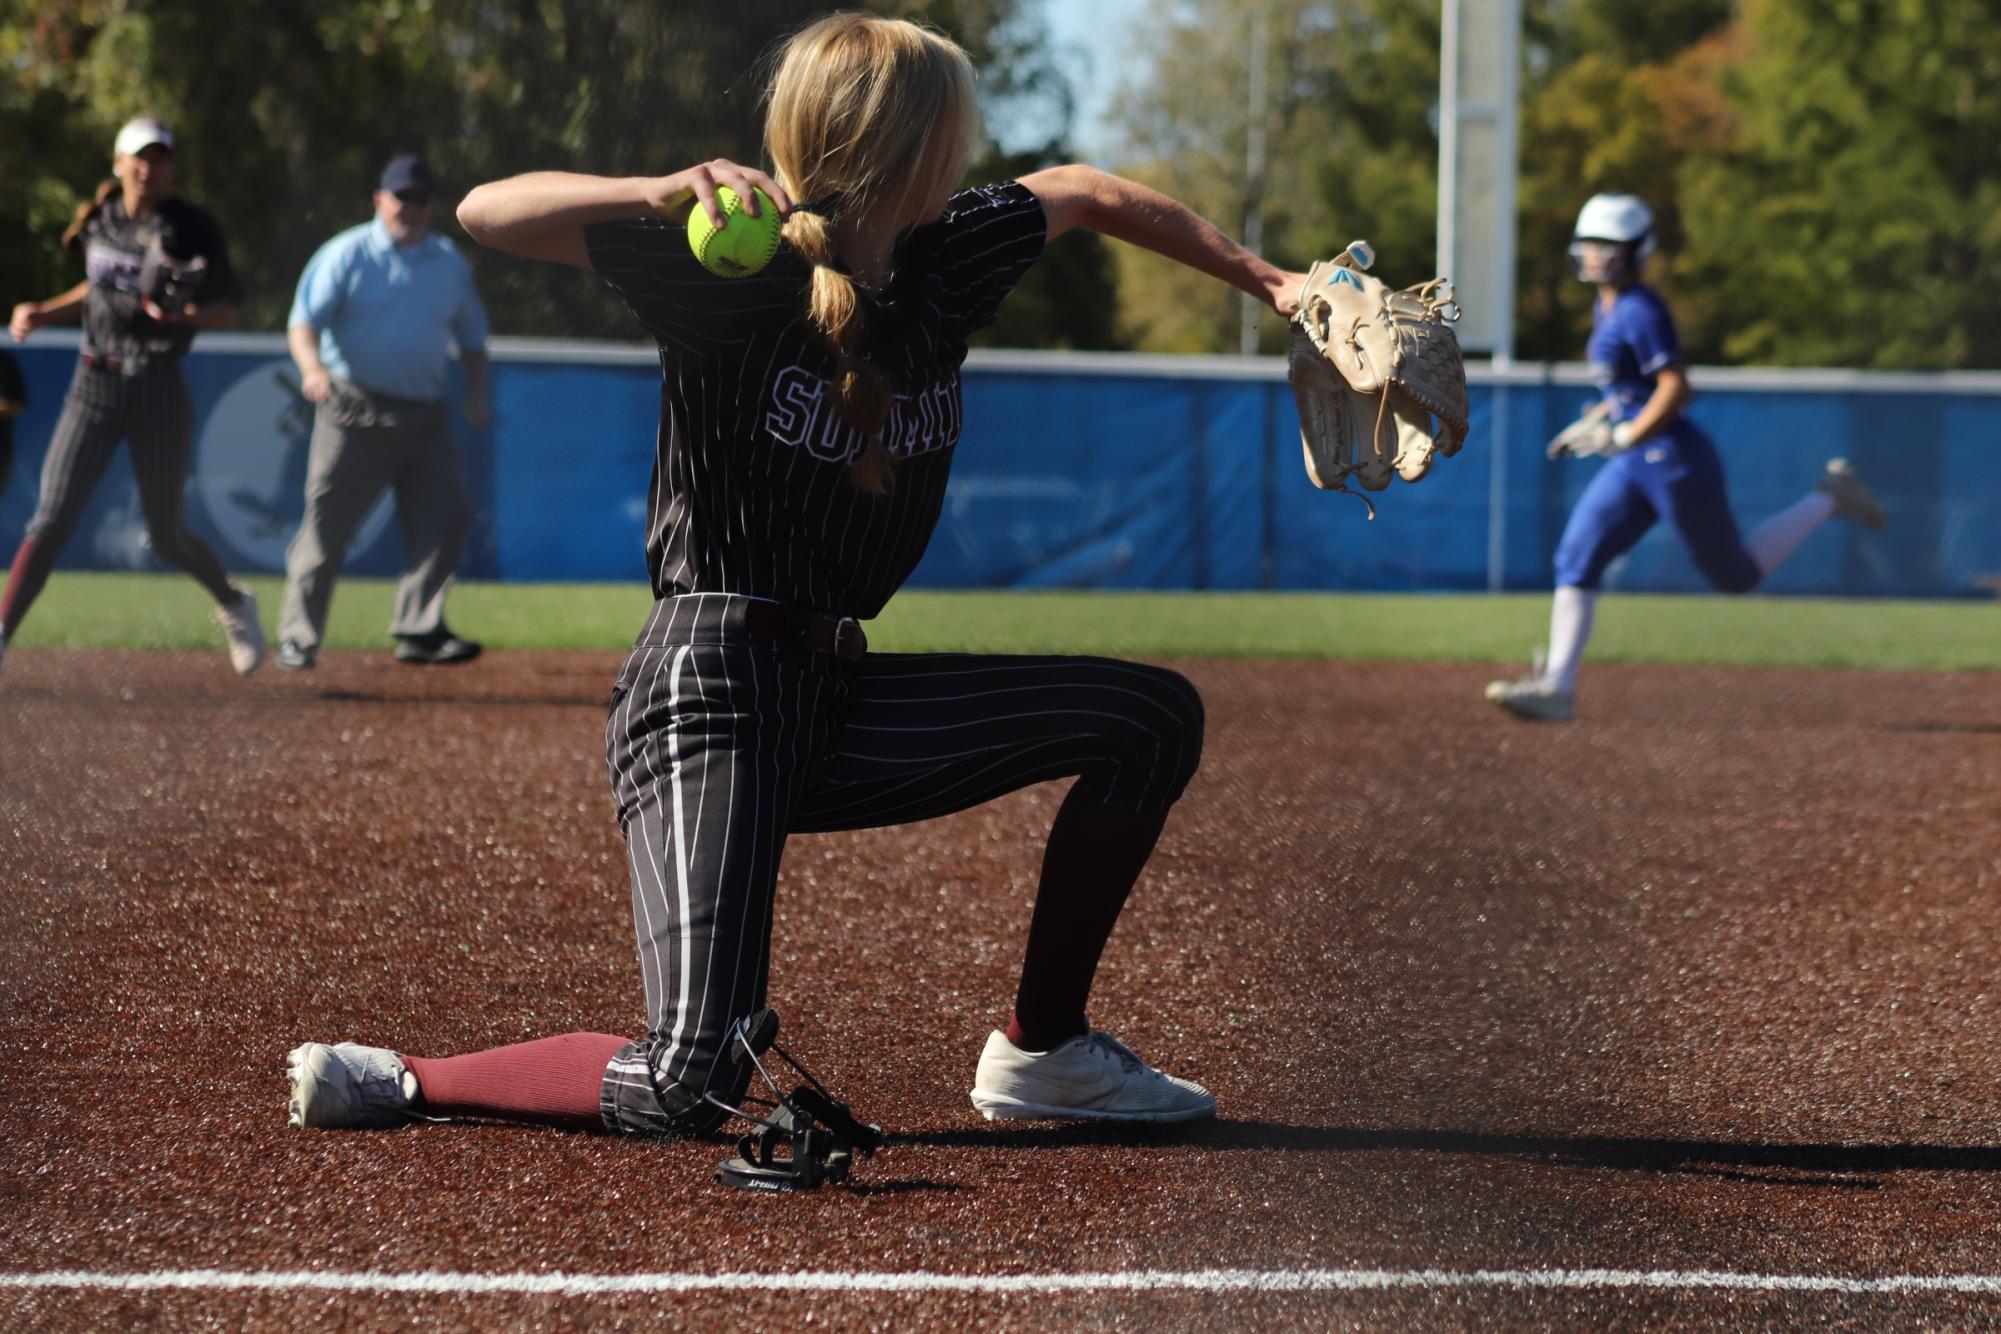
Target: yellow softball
744,244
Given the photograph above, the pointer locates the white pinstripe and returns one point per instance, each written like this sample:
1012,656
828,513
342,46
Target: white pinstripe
724,842
654,862
680,857
810,744
873,808
651,978
750,901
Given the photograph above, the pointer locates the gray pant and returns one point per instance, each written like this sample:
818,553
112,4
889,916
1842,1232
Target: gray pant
153,411
362,445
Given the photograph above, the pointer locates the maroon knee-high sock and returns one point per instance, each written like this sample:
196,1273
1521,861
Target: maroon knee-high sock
1094,856
24,580
550,1081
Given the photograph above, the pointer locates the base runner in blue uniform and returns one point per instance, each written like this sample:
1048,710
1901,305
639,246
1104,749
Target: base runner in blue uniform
809,418
1663,467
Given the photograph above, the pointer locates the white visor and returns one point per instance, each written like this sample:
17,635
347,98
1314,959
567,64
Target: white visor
142,134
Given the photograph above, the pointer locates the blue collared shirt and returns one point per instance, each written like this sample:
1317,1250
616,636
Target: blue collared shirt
388,314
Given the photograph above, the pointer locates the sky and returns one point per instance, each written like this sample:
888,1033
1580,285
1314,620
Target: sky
1092,37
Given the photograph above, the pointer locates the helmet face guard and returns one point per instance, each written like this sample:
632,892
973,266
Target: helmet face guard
1613,237
1595,260
805,1138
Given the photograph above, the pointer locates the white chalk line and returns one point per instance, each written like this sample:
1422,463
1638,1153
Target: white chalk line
557,1283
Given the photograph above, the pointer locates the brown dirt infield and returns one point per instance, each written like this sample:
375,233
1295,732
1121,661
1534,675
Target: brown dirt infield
1708,981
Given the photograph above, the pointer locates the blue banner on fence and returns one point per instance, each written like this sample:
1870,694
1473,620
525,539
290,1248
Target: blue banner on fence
1100,472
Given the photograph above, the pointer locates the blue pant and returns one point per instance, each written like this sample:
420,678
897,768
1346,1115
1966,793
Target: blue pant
1675,476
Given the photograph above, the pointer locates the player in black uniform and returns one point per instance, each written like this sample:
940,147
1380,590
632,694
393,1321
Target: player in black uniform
809,416
13,400
156,271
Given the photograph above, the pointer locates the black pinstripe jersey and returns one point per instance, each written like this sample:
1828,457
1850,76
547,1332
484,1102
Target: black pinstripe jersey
114,255
751,491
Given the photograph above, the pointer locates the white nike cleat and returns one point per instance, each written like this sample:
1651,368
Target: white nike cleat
246,636
1533,699
349,1087
1090,1078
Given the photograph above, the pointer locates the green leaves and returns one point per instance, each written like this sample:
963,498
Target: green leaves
286,113
1824,171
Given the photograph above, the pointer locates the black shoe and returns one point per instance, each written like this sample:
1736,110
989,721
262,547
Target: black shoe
441,646
292,657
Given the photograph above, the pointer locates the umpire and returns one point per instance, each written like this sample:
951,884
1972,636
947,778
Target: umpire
372,327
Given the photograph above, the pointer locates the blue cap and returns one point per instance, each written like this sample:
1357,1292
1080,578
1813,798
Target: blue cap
407,171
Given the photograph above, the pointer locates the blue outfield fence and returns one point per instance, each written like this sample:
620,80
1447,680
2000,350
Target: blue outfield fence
1102,471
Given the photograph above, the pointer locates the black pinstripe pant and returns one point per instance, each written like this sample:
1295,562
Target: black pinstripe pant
103,407
720,744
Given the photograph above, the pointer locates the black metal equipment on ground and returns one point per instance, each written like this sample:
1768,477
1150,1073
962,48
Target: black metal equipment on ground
809,1137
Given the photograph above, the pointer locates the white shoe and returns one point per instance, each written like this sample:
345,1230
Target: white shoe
1534,699
1091,1078
246,636
349,1087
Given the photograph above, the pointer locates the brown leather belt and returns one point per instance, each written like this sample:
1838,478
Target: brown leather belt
840,636
97,363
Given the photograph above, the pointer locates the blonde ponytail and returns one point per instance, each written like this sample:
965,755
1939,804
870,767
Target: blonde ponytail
73,234
863,110
861,392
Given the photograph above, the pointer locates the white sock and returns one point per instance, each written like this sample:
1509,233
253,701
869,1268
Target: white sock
1774,539
1569,631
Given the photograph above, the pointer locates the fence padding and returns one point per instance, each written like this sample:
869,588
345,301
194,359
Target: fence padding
1096,471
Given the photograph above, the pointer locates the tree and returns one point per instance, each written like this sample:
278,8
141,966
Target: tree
1352,146
1855,218
1600,124
1186,118
285,114
1631,33
1822,171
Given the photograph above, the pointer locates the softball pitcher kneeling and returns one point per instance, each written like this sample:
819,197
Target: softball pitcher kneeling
809,416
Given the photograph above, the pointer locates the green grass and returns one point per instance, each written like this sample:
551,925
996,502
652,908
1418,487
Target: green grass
169,611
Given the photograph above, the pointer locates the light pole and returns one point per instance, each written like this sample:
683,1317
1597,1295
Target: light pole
1255,114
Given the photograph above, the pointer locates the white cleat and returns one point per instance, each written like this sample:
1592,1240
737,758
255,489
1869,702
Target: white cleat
246,635
1090,1078
349,1087
1533,699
